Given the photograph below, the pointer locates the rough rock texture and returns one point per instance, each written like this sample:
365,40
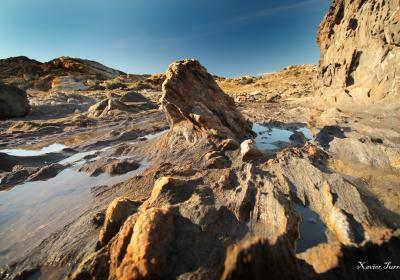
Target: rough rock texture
360,52
13,102
192,100
217,210
60,73
296,81
257,259
109,166
117,213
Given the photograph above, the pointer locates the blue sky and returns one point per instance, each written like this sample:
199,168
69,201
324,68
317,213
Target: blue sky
229,37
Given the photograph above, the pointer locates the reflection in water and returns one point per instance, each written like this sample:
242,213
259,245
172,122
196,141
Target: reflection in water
53,148
272,138
312,229
31,211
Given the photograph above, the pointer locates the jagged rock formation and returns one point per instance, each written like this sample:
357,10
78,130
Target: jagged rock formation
13,102
228,213
360,52
193,101
60,73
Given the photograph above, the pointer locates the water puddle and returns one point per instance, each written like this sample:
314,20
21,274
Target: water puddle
312,229
31,211
53,148
271,137
155,135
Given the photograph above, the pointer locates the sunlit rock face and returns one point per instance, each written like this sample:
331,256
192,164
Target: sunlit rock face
194,103
360,52
63,73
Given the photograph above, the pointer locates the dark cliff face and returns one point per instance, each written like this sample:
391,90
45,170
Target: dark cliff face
360,52
27,73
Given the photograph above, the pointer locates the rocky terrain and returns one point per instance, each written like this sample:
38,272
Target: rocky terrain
185,175
359,42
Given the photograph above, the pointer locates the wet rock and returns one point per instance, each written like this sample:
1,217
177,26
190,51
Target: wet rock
13,102
193,101
110,166
18,175
7,162
359,43
298,138
117,212
46,172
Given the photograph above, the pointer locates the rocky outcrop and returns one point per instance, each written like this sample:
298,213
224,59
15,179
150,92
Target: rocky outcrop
360,52
291,82
131,102
63,73
13,102
193,102
218,208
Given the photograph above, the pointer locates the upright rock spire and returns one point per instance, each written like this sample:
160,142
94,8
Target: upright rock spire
193,101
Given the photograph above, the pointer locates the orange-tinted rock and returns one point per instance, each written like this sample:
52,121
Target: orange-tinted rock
193,101
146,256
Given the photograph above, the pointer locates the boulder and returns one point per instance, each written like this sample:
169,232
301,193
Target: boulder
193,101
13,102
248,150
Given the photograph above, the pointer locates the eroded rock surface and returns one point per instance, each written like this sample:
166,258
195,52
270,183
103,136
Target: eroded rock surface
210,205
193,100
360,52
235,220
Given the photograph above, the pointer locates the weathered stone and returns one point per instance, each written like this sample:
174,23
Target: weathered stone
13,102
46,172
257,259
117,212
360,54
146,255
193,101
169,191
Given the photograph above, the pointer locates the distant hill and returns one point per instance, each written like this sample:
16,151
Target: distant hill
25,73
